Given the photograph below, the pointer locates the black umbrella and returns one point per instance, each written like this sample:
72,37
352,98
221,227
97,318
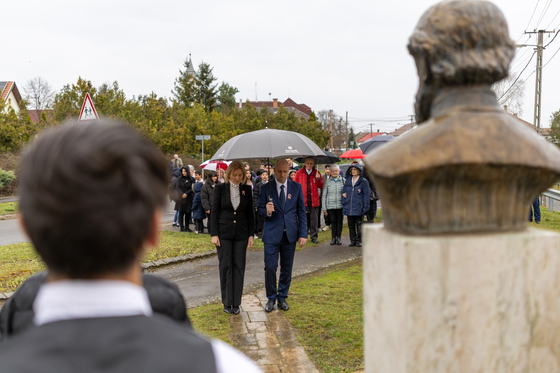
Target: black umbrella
327,158
267,143
372,144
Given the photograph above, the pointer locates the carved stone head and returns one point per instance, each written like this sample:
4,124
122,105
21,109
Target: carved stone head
459,43
470,167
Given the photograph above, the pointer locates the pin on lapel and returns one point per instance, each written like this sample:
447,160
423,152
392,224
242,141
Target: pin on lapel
289,196
243,192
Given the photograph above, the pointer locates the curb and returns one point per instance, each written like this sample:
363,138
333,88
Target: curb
9,216
177,259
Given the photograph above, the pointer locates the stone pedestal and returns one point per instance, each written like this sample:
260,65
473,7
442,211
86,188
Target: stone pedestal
461,303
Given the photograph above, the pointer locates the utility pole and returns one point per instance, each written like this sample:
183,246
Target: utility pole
538,81
370,130
330,120
346,141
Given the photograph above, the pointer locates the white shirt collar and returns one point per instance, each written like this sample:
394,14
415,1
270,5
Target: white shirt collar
308,171
285,187
78,299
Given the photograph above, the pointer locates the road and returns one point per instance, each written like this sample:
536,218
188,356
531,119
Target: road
10,232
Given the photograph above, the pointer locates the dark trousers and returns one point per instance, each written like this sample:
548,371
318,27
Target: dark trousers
208,224
198,225
372,213
336,222
260,224
232,255
184,217
355,227
313,222
286,252
537,207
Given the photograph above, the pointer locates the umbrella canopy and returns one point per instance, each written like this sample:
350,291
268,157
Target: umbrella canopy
327,158
214,165
353,154
267,143
372,144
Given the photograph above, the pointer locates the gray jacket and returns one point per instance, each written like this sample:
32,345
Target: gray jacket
332,192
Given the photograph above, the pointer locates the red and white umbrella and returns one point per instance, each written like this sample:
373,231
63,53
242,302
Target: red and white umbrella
214,165
353,154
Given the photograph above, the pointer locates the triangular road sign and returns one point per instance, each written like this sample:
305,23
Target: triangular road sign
88,111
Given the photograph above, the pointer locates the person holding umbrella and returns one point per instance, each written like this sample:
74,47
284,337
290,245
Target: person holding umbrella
232,230
355,202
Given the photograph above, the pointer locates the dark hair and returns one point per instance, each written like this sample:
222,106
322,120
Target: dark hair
88,193
198,173
209,177
327,166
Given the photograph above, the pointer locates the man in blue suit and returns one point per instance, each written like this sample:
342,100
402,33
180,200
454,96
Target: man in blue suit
285,224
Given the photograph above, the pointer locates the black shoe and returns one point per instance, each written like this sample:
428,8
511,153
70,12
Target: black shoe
283,305
314,240
338,241
269,305
352,244
235,310
227,309
188,230
359,244
333,241
183,229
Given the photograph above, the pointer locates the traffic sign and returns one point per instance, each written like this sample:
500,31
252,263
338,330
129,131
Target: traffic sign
88,112
202,137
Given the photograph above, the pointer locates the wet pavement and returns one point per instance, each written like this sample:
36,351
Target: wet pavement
268,337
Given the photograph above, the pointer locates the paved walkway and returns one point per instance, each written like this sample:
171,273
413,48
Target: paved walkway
268,338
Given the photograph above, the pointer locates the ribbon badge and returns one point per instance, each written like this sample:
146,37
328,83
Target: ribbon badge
289,196
359,191
243,192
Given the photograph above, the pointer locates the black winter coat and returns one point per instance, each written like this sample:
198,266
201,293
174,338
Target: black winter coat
229,224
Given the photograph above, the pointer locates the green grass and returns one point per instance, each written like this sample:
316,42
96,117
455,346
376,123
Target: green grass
8,208
549,220
326,311
211,321
20,261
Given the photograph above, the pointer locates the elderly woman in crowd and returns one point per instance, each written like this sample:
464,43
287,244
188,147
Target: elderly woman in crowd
355,202
232,230
332,204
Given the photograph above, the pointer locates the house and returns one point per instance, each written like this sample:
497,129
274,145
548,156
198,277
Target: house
300,110
11,96
366,136
403,130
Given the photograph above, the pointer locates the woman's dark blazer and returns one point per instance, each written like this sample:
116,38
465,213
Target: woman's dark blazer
228,224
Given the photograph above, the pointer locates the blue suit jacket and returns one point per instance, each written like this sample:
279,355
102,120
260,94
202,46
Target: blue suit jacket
291,217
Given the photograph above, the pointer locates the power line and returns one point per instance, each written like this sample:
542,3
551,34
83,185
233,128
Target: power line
553,37
543,13
552,19
551,58
518,76
528,23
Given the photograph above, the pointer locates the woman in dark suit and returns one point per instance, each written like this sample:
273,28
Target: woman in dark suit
232,230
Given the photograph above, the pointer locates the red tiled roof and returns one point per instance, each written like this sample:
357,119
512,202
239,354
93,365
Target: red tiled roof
289,103
368,136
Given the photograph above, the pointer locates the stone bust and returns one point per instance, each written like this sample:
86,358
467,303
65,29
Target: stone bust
469,166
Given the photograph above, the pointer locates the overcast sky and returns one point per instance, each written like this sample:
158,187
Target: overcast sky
340,55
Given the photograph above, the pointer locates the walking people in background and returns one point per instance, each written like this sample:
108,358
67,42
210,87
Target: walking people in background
186,195
198,214
232,231
174,195
248,168
373,197
332,203
177,162
281,204
207,195
256,192
249,179
536,207
355,202
311,180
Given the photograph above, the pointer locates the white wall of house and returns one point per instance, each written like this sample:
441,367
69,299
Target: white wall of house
11,102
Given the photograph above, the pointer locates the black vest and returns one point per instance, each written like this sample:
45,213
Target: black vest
111,344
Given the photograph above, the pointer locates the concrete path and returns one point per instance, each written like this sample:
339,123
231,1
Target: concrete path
268,338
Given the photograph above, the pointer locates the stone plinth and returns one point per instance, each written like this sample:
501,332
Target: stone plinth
461,303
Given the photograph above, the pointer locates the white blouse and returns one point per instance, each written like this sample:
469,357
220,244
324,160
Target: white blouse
234,194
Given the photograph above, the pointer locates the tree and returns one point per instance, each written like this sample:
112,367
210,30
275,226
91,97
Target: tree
205,87
226,96
555,128
185,86
39,95
352,139
68,102
510,93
